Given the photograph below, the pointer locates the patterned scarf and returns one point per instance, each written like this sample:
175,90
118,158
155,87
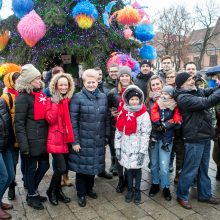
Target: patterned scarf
39,105
127,121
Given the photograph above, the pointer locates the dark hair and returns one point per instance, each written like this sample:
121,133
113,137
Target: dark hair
113,65
166,57
190,62
97,68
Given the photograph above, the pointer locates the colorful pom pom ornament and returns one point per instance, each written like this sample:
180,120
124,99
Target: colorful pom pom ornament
148,52
144,32
128,16
127,32
4,38
22,7
31,28
6,68
122,59
85,14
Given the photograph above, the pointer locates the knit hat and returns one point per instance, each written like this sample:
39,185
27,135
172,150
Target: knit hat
169,90
29,73
145,62
181,78
133,93
124,70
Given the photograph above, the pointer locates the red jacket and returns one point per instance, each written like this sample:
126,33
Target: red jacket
56,128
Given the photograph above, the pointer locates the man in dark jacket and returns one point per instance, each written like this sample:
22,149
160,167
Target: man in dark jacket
143,77
166,64
111,80
197,133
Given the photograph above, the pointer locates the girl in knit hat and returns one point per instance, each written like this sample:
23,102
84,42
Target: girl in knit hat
60,132
132,136
31,131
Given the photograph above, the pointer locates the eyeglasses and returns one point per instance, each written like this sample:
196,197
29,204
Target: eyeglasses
170,77
114,71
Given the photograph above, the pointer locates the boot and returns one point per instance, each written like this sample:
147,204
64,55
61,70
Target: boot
11,190
105,175
66,180
176,178
130,195
137,196
113,168
120,186
62,197
155,188
34,202
4,214
218,174
52,196
166,194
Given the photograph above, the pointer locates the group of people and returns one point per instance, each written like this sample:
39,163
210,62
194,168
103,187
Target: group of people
162,115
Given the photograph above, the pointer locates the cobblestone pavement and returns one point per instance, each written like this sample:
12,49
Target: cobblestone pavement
111,205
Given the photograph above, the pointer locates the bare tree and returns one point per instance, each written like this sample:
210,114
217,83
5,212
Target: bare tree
174,25
206,16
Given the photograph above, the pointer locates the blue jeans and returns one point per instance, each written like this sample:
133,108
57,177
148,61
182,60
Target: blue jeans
196,162
35,169
160,160
7,172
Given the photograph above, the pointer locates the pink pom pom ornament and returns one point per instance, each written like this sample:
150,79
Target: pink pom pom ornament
127,32
31,28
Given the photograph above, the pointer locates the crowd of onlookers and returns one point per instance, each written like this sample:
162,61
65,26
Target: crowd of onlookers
163,115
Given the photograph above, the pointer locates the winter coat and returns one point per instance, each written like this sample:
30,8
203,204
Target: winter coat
89,116
194,107
6,131
55,118
31,134
162,74
142,81
109,84
132,145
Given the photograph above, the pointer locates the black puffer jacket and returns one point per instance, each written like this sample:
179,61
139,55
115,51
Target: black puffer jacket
31,134
194,107
89,116
6,131
142,80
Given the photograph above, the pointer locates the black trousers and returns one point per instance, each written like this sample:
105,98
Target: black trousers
134,174
84,183
59,168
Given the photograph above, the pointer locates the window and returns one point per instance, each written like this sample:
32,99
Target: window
213,60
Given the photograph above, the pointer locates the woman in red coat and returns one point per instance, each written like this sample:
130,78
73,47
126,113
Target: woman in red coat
60,132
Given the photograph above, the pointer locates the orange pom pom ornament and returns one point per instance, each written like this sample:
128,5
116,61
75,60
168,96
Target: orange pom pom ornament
4,38
6,68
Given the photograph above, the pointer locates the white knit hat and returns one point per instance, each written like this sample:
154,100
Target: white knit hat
29,73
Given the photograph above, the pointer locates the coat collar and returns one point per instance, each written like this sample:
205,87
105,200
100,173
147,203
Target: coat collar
90,95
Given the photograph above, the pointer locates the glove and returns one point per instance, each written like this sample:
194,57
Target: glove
55,98
25,154
140,159
118,154
159,128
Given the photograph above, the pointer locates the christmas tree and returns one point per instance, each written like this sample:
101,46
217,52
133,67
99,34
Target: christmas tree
63,36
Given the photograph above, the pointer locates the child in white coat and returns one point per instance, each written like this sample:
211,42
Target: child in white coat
133,128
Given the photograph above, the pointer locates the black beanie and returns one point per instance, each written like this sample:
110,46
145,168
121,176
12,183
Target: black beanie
132,93
181,78
145,62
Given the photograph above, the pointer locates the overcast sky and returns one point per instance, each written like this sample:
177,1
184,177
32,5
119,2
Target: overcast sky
153,5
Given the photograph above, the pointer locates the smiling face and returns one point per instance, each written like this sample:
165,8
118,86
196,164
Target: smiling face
62,85
170,78
90,83
37,83
191,69
189,84
113,72
145,69
166,64
156,85
125,80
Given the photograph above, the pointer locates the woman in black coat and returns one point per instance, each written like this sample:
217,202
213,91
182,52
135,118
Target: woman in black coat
31,131
89,118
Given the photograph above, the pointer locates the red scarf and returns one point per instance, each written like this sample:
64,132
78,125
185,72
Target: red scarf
121,101
127,121
69,130
13,91
39,105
